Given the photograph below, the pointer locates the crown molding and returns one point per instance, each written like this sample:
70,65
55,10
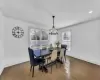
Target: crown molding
35,23
82,22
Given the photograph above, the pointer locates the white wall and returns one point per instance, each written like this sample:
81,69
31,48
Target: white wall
85,42
1,43
16,50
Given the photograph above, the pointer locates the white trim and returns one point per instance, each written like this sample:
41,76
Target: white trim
81,22
14,61
35,23
1,70
90,61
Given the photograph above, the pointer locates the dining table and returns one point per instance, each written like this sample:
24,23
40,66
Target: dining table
42,54
48,52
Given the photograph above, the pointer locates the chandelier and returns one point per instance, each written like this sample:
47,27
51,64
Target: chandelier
53,31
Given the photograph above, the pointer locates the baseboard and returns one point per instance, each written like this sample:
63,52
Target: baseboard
1,69
14,61
90,61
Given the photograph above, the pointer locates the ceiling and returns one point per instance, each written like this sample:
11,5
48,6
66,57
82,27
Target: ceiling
67,12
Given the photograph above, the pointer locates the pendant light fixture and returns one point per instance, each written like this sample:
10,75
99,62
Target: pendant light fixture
53,31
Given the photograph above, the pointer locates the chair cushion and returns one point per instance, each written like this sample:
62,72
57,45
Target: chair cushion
37,52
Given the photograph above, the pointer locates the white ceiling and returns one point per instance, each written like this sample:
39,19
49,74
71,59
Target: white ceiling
67,12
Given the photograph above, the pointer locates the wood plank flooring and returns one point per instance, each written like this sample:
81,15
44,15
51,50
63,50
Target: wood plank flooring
79,70
22,72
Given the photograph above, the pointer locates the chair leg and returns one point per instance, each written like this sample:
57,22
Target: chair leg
30,68
33,72
56,64
51,68
61,61
47,61
65,58
60,64
42,67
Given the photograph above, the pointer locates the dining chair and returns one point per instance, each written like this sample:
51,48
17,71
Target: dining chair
34,61
53,58
54,55
65,47
62,56
46,51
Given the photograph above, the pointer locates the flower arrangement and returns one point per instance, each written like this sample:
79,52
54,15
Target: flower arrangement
57,44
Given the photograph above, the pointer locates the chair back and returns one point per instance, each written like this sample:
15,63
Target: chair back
65,47
54,55
31,56
62,52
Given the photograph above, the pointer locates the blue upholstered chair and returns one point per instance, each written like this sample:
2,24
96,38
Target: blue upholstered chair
34,60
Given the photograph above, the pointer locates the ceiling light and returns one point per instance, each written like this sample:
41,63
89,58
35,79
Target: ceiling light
90,12
53,31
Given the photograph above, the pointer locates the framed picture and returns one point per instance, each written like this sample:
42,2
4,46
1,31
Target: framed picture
66,36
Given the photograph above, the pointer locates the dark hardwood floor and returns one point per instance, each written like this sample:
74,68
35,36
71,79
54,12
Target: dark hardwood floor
79,70
22,72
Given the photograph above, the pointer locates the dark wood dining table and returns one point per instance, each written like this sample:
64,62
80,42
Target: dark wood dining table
50,52
43,55
58,54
